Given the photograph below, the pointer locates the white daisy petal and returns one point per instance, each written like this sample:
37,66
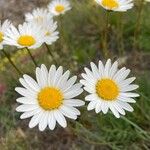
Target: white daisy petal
30,113
74,102
91,105
43,121
51,120
98,108
31,82
66,111
60,118
35,120
26,107
114,111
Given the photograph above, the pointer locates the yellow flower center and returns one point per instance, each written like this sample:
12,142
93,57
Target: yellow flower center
26,40
59,8
1,36
50,98
110,4
47,33
107,89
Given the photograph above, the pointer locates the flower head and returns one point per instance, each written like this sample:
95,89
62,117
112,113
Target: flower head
109,88
50,98
38,15
116,5
49,27
3,28
27,35
58,7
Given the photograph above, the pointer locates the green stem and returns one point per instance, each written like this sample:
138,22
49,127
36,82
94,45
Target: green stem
50,53
138,24
32,58
136,126
105,36
11,62
133,124
120,35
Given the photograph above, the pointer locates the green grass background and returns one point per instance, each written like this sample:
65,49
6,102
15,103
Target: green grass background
81,35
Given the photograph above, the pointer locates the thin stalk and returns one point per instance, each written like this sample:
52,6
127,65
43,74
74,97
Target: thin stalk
120,35
105,36
50,53
138,25
32,58
136,126
11,62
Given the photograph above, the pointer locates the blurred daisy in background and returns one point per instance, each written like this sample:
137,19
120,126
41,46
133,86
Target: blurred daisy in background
58,7
50,98
28,35
38,15
109,88
3,28
50,30
116,5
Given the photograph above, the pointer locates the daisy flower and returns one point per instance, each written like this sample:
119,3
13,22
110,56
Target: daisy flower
116,5
3,27
50,30
38,15
27,35
57,7
49,99
109,88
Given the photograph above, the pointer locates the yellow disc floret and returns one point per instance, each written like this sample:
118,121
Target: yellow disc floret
59,8
110,4
1,36
50,98
107,89
26,40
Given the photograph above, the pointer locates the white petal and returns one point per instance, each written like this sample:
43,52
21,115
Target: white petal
129,94
66,111
51,120
60,118
98,108
25,100
43,121
129,88
104,107
95,70
91,105
25,107
72,94
114,111
126,106
119,108
30,113
35,120
44,76
107,68
51,75
74,102
31,82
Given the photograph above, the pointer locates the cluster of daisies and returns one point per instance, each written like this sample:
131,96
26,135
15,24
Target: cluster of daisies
52,96
39,27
